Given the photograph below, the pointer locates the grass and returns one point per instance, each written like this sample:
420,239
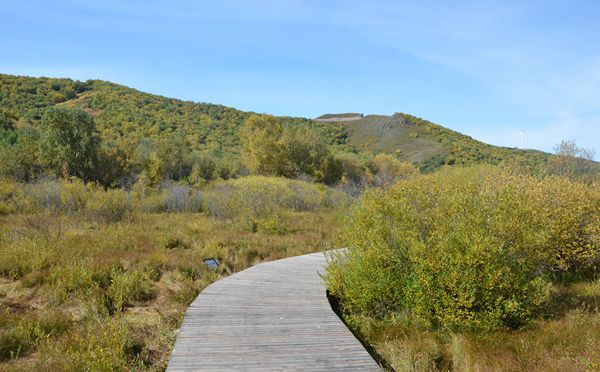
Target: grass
567,339
104,284
388,134
76,294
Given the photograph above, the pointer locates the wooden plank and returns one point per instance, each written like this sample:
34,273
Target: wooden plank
271,317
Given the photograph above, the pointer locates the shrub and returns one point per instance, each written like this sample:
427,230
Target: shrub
68,279
73,196
127,287
182,198
22,257
262,196
100,345
28,331
7,190
275,224
109,206
388,169
464,248
43,195
571,214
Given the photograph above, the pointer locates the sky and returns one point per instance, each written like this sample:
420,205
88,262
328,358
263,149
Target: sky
489,69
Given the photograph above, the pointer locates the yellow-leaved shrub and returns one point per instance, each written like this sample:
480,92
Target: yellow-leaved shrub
465,248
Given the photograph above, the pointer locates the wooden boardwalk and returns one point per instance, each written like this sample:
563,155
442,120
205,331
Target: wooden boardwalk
273,316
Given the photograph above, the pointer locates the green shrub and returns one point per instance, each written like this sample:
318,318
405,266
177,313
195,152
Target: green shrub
109,206
127,287
25,333
173,242
152,203
7,190
571,214
262,196
22,257
275,224
105,344
73,196
69,279
464,248
388,169
43,195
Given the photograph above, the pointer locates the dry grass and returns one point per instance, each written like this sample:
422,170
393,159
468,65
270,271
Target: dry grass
568,339
106,296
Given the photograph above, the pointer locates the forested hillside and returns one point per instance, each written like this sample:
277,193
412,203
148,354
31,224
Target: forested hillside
137,129
166,138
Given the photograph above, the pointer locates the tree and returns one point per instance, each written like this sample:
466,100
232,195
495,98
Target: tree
270,148
155,169
303,152
69,142
21,159
262,150
7,120
571,161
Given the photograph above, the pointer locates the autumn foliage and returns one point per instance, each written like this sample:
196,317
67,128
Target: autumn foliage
473,248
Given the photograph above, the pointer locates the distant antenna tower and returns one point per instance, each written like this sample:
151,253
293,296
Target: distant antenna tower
522,135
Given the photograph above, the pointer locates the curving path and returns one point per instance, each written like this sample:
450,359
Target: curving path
273,316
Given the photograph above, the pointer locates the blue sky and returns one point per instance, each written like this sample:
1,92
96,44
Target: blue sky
484,68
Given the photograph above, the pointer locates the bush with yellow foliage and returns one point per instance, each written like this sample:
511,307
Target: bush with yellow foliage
470,248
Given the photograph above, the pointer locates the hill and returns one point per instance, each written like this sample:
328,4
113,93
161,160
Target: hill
135,124
430,145
125,114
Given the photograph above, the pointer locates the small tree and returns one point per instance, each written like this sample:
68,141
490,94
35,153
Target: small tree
271,148
7,120
571,161
155,169
261,136
304,153
69,142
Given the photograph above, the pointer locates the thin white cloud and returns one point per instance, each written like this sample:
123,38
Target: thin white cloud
544,74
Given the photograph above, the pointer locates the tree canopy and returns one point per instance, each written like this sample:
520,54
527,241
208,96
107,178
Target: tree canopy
69,142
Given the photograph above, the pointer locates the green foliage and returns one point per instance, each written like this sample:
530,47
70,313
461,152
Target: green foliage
102,345
126,288
7,121
22,257
570,212
109,206
261,197
20,158
183,136
270,148
69,142
21,340
465,249
566,340
261,137
388,170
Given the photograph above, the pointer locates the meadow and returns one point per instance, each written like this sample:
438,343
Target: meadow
94,279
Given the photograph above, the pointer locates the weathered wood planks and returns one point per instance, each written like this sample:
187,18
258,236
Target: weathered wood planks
271,317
